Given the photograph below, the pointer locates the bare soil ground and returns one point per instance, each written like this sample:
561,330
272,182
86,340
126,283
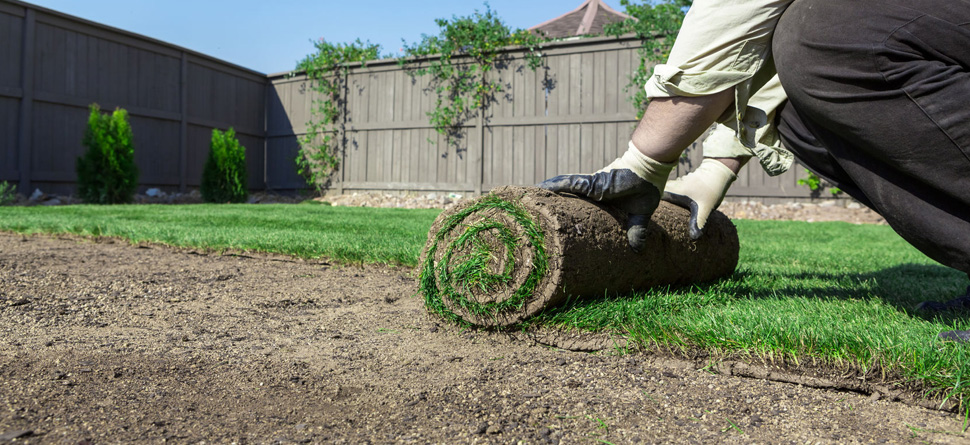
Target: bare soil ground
105,342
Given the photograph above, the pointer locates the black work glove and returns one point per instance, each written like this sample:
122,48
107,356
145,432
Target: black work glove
633,183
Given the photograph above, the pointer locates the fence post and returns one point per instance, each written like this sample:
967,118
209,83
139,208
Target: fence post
183,121
342,132
24,136
266,99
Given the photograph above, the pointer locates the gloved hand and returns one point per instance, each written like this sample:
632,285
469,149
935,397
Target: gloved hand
700,191
632,183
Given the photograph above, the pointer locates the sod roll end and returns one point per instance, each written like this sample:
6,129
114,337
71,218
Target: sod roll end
517,251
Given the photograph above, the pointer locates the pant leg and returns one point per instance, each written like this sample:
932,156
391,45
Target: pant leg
811,153
879,103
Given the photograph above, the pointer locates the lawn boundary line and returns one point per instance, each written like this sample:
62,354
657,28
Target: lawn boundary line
733,366
195,250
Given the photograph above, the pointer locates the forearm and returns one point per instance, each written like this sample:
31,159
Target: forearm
670,124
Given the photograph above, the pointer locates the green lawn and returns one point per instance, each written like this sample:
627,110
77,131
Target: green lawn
830,293
345,234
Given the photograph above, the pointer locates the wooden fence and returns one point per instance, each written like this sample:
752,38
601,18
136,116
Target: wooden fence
52,66
573,115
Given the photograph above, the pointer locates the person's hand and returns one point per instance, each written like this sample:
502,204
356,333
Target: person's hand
701,192
633,183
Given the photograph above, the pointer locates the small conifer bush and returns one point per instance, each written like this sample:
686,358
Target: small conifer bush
8,193
106,173
224,176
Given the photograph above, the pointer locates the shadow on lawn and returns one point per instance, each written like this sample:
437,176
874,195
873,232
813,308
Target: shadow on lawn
903,286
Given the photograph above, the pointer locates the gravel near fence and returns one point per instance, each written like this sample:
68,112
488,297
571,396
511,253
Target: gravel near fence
824,210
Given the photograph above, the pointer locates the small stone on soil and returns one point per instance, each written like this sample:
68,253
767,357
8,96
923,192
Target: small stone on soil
481,428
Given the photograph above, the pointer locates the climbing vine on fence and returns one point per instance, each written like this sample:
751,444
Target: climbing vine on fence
327,69
817,184
458,60
656,25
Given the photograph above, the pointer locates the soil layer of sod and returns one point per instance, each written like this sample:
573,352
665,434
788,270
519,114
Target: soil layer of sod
513,253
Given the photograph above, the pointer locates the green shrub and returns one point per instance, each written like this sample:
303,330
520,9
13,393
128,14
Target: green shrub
8,193
224,177
107,173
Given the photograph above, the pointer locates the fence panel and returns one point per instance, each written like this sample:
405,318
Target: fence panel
11,46
53,66
9,118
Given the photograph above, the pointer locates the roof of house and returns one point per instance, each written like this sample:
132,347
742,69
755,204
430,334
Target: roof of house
588,18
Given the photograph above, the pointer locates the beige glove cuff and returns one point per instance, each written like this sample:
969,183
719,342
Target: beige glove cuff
647,168
717,176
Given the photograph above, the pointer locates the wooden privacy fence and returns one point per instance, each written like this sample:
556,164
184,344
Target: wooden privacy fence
52,66
571,116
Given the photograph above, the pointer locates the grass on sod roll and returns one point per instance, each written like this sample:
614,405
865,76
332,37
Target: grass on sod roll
453,278
837,294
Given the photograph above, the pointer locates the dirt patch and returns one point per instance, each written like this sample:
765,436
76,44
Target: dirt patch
108,342
556,246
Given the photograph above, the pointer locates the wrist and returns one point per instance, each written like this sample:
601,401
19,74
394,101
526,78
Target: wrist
647,168
733,163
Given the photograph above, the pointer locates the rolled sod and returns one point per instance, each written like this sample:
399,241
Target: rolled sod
517,251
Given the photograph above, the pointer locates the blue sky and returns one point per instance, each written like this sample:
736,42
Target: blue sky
271,36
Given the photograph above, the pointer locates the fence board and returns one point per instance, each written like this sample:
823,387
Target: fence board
587,83
552,150
523,167
63,128
610,80
539,142
598,145
9,112
575,85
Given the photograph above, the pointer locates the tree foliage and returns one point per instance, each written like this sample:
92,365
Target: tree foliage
656,24
106,173
458,60
326,69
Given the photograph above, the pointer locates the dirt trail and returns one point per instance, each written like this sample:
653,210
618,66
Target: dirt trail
106,342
